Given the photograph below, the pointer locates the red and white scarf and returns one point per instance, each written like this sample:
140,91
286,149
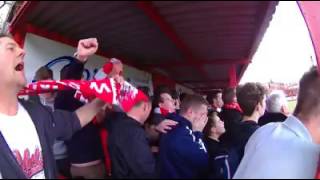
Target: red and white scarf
106,89
161,111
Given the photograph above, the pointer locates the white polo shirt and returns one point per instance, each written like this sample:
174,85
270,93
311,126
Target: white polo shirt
280,150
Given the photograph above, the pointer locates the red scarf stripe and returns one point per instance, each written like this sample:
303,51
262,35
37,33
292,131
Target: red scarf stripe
233,105
107,90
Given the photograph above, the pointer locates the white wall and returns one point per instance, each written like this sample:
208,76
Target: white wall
40,51
182,89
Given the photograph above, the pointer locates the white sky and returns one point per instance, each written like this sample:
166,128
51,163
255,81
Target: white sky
285,51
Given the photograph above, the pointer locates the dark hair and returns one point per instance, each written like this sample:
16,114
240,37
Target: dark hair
182,96
3,35
157,95
249,96
175,94
228,95
309,93
43,73
213,95
192,101
67,72
210,124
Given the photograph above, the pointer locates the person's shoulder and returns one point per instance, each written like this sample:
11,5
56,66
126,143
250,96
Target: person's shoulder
268,128
33,106
127,126
156,118
36,111
267,134
176,134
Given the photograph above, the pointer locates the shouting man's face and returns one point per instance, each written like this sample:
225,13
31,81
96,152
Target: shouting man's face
11,64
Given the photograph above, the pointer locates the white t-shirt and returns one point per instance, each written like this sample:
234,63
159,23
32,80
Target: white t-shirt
280,150
21,136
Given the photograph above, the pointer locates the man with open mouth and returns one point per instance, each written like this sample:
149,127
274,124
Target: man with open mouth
27,130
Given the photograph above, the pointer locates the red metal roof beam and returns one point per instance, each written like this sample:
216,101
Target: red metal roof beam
167,29
20,17
311,15
204,82
200,62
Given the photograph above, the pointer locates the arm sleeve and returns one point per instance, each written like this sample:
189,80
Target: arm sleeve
63,125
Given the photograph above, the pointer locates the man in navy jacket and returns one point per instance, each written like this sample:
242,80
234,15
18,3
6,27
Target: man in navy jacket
182,152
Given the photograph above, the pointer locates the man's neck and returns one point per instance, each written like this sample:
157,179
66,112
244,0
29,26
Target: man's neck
134,117
254,117
312,125
8,103
186,117
214,137
214,106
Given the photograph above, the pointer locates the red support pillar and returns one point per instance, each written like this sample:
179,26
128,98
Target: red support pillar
310,12
19,36
18,25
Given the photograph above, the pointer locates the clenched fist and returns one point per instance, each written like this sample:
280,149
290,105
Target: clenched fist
86,48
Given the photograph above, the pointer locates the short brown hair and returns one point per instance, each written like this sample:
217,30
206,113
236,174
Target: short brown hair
213,95
228,95
157,94
192,101
249,96
211,123
43,73
309,93
3,35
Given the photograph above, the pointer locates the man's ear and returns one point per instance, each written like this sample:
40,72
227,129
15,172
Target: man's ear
284,110
190,112
145,106
258,107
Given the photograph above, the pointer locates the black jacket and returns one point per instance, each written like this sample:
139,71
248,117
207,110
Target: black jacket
272,117
85,145
231,118
130,153
223,162
49,125
241,135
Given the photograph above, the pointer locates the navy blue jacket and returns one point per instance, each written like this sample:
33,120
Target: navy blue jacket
223,161
182,151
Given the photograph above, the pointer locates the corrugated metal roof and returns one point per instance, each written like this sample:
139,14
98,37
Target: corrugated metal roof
192,34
